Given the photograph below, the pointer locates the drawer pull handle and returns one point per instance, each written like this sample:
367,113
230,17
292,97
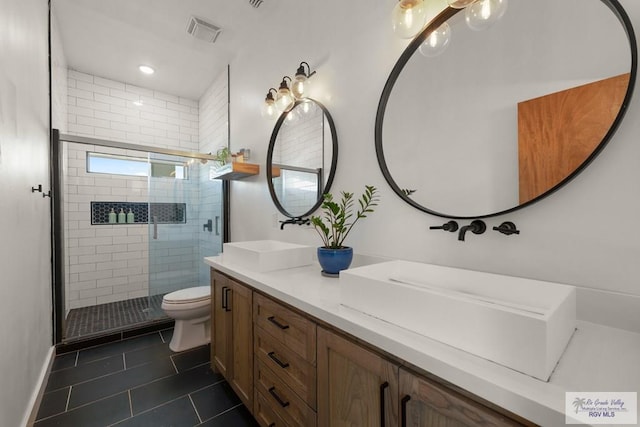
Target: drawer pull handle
272,356
273,320
226,298
273,393
403,413
223,293
383,416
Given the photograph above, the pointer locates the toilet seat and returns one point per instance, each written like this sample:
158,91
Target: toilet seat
188,296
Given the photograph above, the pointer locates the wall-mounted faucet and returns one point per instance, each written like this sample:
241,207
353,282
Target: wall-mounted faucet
477,226
450,226
507,228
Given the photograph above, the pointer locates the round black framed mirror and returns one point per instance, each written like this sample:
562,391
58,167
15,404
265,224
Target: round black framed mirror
501,119
302,158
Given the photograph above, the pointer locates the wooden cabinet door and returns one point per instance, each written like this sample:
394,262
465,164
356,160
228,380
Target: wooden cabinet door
355,386
424,403
240,302
221,343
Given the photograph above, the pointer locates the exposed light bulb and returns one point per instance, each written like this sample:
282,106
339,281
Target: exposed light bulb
437,41
269,110
284,98
408,18
299,86
484,13
459,4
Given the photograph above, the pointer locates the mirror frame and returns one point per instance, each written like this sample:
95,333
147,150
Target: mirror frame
443,17
334,159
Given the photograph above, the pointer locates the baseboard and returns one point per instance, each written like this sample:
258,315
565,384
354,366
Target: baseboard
36,396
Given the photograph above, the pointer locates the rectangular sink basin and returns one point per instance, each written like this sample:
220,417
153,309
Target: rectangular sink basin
267,255
520,323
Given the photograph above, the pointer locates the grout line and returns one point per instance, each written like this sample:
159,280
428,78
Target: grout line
162,337
224,412
75,364
66,405
174,364
194,408
130,403
124,362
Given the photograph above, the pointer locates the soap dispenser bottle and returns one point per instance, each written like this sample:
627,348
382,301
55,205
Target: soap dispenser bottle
122,217
130,217
112,217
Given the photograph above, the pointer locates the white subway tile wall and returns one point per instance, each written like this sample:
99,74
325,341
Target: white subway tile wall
107,263
106,109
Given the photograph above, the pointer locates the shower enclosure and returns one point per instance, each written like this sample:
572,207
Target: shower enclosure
131,226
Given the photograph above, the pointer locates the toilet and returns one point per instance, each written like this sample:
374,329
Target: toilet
191,309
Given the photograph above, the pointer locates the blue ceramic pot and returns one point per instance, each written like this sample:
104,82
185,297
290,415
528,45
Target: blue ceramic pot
333,261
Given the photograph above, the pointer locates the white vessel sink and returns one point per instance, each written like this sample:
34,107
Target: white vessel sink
267,255
519,323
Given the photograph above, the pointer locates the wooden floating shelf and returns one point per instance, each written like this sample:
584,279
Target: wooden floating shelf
235,171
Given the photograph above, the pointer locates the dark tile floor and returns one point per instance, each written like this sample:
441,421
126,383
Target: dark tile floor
81,322
139,382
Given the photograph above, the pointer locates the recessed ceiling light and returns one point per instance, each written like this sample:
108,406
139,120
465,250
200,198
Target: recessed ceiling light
146,69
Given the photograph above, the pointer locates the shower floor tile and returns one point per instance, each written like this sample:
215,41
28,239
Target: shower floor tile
100,318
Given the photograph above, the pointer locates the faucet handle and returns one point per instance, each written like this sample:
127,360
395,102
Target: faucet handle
508,228
450,226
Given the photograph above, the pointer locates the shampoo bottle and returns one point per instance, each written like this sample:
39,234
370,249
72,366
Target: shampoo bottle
130,217
122,217
112,217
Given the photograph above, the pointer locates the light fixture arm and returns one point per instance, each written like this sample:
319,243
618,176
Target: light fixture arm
283,83
269,95
301,71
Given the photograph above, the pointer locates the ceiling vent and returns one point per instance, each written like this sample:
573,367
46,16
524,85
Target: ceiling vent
255,3
203,30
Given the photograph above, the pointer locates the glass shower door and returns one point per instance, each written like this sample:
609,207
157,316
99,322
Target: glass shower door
185,225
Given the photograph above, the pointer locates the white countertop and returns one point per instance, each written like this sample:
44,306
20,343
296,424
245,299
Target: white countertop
598,358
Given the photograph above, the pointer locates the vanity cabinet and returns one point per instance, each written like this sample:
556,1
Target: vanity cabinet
355,386
291,369
425,403
285,365
232,337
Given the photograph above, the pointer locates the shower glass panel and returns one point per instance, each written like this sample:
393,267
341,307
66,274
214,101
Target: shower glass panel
136,226
185,220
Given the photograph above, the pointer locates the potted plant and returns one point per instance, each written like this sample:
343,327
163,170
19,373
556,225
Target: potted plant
334,225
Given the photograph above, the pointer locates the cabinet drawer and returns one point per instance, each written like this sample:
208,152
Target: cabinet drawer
296,332
265,415
292,369
282,400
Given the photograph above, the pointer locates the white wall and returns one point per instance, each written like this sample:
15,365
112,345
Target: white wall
25,252
585,235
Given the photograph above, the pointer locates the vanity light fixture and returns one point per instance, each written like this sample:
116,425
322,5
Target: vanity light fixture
269,110
289,91
437,41
145,69
300,81
484,13
284,97
408,18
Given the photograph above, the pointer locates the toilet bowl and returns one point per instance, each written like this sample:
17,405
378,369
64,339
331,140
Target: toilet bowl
191,309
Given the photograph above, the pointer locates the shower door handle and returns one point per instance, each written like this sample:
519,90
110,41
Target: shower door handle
155,227
217,225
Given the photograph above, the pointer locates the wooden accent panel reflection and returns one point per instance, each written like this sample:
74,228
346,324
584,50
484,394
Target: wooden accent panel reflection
559,131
